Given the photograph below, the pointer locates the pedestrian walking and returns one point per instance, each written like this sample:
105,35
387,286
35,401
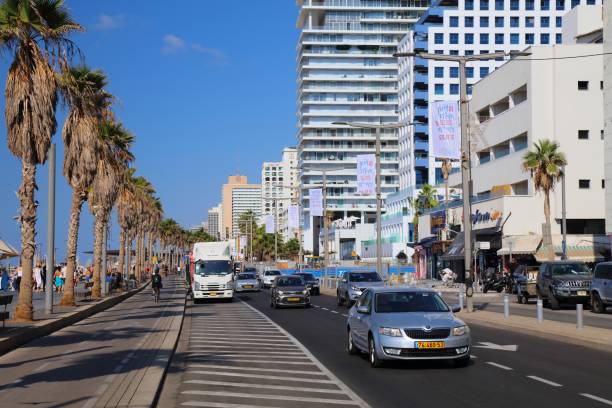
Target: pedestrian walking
4,279
17,279
57,279
43,275
37,278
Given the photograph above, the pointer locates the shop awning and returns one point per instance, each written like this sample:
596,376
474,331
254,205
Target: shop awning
520,244
586,248
455,250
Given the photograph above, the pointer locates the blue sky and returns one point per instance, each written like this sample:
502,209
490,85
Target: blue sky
207,87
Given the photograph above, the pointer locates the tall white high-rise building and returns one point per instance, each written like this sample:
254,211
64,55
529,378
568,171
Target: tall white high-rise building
215,218
346,73
279,188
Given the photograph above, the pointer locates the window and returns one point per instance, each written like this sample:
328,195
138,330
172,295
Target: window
484,71
558,22
514,4
468,21
544,38
602,134
591,2
454,89
529,4
544,4
484,21
469,72
514,38
439,52
469,4
484,4
468,88
439,89
583,134
499,4
575,3
499,38
601,85
454,52
514,22
584,183
560,5
544,21
439,38
439,72
529,38
583,85
484,38
454,38
469,52
529,22
468,38
603,185
558,38
454,21
499,21
454,72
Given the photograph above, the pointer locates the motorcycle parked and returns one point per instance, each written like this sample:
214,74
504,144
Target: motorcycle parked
497,282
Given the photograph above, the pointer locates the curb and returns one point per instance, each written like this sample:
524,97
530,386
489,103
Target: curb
49,326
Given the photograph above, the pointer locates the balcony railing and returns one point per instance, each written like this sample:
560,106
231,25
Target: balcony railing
358,3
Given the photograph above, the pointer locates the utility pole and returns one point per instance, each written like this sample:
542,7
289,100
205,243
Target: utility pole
325,231
378,207
50,233
563,217
275,230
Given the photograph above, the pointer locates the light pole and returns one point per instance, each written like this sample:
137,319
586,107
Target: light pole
563,217
377,128
465,150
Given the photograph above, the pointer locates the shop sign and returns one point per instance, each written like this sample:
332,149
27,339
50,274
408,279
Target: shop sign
482,217
438,221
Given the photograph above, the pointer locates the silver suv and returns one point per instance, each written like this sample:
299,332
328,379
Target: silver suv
353,284
601,287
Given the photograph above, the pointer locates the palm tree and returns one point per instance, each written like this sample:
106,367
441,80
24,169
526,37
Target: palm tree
425,200
545,163
114,158
26,26
83,91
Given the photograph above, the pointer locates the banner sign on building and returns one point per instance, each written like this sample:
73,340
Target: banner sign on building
269,221
293,216
316,202
446,129
366,174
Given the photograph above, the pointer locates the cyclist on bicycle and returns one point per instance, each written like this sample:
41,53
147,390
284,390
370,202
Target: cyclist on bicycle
156,283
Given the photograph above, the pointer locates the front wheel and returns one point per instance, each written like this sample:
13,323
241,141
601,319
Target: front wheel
375,362
351,345
553,302
339,300
597,305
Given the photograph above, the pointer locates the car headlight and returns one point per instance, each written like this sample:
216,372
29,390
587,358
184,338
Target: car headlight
390,331
460,331
280,292
355,288
305,292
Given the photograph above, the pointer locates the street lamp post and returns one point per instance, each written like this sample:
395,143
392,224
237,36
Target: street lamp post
465,151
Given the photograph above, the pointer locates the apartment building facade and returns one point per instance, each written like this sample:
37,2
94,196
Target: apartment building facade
214,221
238,197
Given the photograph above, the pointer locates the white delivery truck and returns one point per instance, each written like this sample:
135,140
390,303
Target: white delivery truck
212,273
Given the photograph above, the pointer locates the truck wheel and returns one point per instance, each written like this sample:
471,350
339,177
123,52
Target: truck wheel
597,305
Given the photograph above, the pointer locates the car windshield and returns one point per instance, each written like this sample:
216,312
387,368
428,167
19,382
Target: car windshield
290,281
570,269
272,273
245,276
403,302
210,268
250,269
364,277
307,276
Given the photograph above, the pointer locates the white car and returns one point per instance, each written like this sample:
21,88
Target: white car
269,276
246,282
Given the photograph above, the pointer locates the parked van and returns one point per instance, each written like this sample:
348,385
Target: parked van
601,287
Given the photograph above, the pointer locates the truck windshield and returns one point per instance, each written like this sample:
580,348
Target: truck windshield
210,268
570,269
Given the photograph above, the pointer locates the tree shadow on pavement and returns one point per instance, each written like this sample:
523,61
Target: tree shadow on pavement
19,363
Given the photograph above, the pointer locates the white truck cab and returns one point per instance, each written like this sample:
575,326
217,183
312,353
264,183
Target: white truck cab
213,276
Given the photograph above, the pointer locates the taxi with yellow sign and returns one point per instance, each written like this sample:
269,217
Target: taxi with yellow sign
395,323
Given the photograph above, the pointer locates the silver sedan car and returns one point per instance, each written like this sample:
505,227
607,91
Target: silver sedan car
247,282
406,324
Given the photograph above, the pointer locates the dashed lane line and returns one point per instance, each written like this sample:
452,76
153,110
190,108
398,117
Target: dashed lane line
544,380
268,397
324,308
598,399
333,311
503,367
266,386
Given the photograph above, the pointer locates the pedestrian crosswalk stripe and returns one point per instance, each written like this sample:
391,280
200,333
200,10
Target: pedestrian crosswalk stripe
268,397
271,370
262,377
266,386
246,360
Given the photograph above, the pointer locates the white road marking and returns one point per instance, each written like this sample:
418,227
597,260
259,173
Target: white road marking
324,308
258,343
269,339
333,311
118,368
41,367
493,346
316,306
220,405
17,381
503,367
269,387
263,377
598,399
345,315
271,370
125,360
473,356
258,354
237,360
268,397
544,380
130,355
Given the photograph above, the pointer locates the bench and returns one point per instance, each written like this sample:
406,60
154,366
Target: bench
83,291
5,300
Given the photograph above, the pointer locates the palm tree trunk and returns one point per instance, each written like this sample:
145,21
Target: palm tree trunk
129,254
71,248
24,310
122,239
139,256
98,238
547,235
150,248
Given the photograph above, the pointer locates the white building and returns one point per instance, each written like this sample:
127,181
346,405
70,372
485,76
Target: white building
279,189
215,218
244,199
607,43
346,73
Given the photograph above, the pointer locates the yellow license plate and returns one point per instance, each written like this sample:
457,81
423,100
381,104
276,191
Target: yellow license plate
429,344
293,299
212,293
582,293
248,286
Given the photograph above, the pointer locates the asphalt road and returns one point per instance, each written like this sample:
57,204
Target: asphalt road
94,361
540,373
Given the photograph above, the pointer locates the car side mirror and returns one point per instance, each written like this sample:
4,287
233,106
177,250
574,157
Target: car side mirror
363,310
456,308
